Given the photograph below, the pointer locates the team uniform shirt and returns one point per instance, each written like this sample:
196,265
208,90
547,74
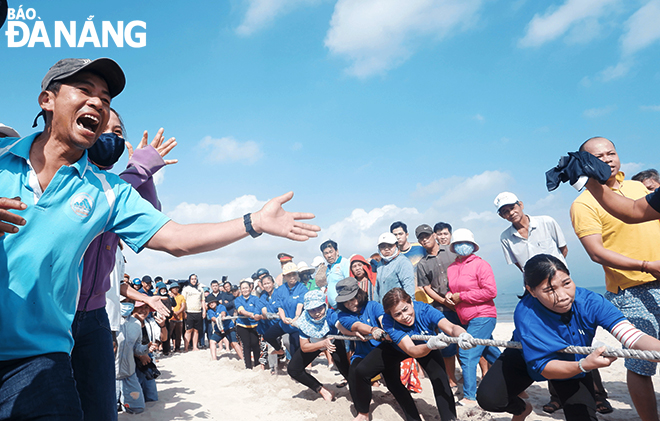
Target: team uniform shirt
544,237
543,333
415,253
432,270
193,298
337,271
267,302
638,241
288,299
252,305
426,323
42,263
226,324
369,315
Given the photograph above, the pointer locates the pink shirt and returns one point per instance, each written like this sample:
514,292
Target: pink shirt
473,279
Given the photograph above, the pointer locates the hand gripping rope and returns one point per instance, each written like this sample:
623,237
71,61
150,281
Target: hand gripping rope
219,320
581,350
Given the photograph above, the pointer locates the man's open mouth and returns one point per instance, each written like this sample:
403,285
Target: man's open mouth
89,123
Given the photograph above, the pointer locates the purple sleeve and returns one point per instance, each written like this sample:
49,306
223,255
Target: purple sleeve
139,172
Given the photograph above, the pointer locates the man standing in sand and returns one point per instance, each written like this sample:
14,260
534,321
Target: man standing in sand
528,235
194,317
623,250
50,187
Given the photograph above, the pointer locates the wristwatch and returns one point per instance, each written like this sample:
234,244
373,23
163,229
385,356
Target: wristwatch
247,221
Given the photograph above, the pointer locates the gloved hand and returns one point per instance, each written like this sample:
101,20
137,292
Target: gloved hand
577,164
437,342
464,341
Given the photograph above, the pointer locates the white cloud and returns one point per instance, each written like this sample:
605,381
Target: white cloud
598,112
578,16
479,118
159,177
615,72
631,168
261,13
377,35
474,188
649,107
229,149
642,28
189,213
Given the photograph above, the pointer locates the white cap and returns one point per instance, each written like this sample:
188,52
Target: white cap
302,267
505,198
318,260
463,235
8,131
386,238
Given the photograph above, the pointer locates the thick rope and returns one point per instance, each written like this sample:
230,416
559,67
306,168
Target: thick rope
218,320
580,350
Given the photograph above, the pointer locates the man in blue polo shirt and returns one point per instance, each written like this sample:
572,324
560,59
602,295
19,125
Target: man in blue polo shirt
55,202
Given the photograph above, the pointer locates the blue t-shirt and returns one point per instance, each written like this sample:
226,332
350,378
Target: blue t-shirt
288,299
369,315
426,323
269,304
226,324
542,331
41,265
252,305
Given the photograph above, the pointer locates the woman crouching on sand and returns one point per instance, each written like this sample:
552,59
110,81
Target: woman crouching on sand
405,318
552,315
315,323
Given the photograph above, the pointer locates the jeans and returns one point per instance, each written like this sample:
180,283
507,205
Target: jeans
130,394
149,389
93,363
39,388
479,327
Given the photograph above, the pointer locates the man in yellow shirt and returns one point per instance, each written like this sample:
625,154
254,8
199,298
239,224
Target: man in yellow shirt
623,250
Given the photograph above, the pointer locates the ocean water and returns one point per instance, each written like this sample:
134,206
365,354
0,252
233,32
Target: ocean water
506,302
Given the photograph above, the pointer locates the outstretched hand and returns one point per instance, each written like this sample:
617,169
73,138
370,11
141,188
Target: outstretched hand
9,220
274,220
157,143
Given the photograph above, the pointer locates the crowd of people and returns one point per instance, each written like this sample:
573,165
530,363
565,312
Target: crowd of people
77,311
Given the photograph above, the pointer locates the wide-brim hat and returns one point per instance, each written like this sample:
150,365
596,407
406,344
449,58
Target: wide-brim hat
314,299
8,131
463,235
302,267
289,268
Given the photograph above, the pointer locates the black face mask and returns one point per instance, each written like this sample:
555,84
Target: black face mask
107,150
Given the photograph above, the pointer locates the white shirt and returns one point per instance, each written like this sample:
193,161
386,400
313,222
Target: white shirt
545,236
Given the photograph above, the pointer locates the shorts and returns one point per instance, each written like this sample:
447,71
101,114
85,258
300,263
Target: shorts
230,335
641,306
194,321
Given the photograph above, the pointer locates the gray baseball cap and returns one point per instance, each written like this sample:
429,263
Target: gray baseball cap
106,68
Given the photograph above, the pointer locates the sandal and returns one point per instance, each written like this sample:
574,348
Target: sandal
551,407
604,407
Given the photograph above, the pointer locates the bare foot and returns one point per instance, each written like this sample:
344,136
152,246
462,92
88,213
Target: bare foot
327,395
195,349
526,412
361,417
523,395
467,402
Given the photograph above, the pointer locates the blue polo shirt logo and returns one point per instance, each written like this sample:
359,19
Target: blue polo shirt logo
81,204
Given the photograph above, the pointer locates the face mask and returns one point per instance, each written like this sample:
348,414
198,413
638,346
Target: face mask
163,292
390,258
464,249
127,309
107,150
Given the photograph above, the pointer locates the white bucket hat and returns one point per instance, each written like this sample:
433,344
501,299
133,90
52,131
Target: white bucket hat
463,235
302,267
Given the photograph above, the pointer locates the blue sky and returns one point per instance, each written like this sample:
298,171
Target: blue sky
371,111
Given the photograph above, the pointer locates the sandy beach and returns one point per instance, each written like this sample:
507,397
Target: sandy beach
192,387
